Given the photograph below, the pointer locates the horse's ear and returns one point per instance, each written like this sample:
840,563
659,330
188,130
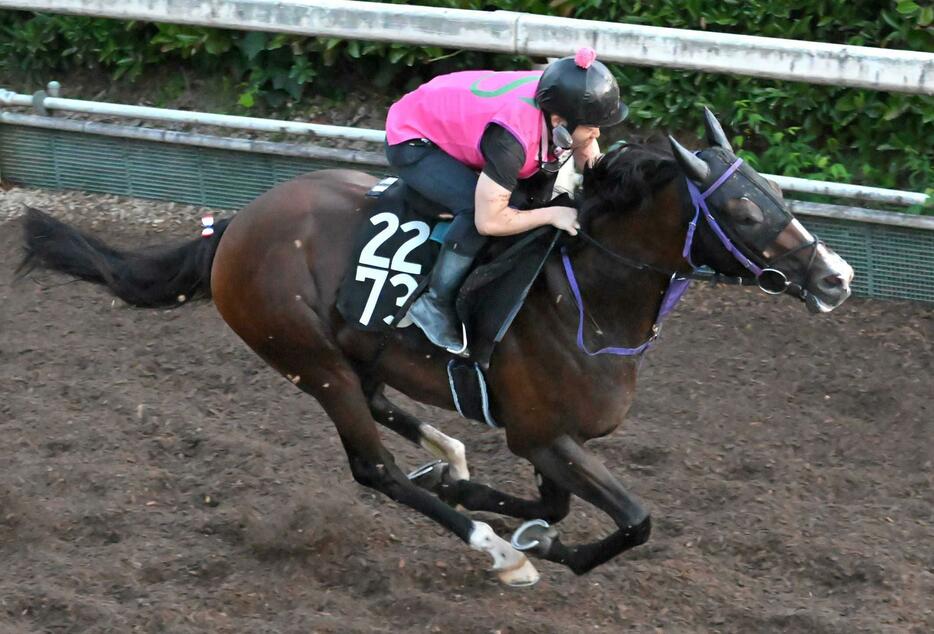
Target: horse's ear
696,169
715,134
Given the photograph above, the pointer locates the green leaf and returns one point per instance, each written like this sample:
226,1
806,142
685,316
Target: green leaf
907,7
895,110
216,44
839,172
251,45
890,19
329,56
926,16
278,41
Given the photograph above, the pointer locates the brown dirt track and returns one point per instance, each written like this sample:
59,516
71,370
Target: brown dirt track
156,476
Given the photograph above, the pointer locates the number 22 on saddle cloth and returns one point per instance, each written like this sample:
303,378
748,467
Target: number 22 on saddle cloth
392,255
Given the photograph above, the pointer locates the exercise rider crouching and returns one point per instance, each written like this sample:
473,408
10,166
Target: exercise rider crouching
466,140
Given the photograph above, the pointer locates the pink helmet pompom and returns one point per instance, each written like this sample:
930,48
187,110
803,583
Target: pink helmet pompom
585,57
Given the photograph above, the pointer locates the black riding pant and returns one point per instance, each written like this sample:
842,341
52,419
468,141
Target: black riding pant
441,178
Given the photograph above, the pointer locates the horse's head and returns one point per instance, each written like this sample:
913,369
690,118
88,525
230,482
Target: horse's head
744,228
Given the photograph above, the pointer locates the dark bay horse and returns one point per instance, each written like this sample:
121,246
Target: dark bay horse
649,218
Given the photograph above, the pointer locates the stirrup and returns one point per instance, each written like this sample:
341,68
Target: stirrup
463,349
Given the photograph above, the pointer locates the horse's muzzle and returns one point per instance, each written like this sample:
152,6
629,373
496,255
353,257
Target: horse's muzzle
828,283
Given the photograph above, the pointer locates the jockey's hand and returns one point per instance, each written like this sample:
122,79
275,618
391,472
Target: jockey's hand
565,218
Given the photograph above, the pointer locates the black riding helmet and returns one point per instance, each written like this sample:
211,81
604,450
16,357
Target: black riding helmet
581,90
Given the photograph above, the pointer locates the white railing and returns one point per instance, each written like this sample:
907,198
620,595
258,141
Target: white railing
176,137
518,33
42,102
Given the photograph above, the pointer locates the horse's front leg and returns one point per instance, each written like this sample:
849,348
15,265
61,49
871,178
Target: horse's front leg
552,506
567,463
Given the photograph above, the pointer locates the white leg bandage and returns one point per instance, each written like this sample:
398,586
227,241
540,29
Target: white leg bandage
446,448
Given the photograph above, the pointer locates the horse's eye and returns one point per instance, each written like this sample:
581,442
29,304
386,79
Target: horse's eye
745,212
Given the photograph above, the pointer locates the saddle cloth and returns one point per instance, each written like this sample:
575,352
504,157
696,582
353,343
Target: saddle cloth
394,252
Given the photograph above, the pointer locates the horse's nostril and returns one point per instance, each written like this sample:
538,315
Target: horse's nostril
834,280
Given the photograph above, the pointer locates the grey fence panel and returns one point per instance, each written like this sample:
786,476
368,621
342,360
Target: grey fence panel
194,175
890,261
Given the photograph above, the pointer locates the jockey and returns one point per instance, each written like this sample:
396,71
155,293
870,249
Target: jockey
466,140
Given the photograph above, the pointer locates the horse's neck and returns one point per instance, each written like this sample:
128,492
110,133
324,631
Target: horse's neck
620,303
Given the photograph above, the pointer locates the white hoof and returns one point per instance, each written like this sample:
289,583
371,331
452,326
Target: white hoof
523,575
512,567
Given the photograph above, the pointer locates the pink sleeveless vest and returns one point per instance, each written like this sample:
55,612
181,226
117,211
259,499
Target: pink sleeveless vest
452,111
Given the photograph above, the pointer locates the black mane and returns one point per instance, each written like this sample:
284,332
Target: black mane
626,178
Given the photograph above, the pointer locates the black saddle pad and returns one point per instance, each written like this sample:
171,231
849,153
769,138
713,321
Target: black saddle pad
393,255
491,296
391,259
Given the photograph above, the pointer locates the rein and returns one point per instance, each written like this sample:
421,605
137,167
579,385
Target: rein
678,282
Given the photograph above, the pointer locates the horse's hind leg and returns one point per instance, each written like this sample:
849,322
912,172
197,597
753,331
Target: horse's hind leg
373,466
451,482
422,434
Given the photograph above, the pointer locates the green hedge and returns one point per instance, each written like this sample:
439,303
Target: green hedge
870,137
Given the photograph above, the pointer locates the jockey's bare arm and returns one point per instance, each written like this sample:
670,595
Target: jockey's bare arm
494,216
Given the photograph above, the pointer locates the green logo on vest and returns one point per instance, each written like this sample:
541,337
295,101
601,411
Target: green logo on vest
489,94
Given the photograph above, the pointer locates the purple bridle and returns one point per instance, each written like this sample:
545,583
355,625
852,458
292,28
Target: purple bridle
678,284
700,204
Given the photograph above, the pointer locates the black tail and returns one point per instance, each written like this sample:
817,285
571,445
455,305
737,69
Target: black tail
149,278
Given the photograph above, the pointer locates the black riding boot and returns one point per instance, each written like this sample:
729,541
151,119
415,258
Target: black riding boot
434,310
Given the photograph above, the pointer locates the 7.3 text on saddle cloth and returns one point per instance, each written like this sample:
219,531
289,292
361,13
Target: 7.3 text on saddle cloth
392,256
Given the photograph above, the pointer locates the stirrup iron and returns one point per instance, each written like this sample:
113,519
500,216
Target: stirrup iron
516,540
463,348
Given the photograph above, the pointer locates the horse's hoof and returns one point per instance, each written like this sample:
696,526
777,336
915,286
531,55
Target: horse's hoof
520,576
535,536
430,475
